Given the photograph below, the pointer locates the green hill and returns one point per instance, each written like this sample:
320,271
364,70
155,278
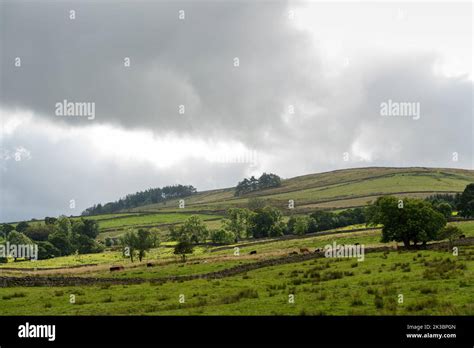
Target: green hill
332,190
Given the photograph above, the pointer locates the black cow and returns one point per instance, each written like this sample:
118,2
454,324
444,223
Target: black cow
116,268
253,252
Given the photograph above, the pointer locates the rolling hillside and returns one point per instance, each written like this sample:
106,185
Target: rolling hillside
331,190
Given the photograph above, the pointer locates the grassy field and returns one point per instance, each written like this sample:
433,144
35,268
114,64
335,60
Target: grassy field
430,282
149,219
336,187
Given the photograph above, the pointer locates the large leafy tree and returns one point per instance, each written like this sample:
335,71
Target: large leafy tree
145,240
237,222
324,220
466,201
39,232
17,238
266,222
193,230
86,227
128,241
182,248
408,220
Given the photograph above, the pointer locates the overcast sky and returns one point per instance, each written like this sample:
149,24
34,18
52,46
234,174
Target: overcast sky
286,87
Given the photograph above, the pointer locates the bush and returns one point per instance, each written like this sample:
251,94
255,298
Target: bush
222,237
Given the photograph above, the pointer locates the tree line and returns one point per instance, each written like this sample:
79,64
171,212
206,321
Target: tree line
150,196
407,220
56,237
254,184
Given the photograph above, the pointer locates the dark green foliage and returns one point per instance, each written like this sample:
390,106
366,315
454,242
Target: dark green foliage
150,196
62,242
408,220
86,227
5,229
192,230
253,184
50,220
22,226
183,248
266,222
222,237
46,250
451,233
466,202
39,232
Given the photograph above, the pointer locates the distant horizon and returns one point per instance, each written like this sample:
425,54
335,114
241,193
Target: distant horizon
232,187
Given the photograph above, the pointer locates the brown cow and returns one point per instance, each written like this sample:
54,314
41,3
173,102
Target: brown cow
304,250
116,268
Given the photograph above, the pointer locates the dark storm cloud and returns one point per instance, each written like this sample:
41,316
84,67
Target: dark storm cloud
173,62
190,62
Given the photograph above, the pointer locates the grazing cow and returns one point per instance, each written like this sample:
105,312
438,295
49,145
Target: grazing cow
293,253
253,252
116,268
304,250
149,264
462,236
317,250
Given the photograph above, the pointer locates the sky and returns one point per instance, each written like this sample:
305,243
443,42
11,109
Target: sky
206,93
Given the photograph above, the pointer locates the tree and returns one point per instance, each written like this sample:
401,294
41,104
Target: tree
451,233
64,225
222,236
144,242
86,227
22,226
19,239
46,250
253,184
82,244
50,220
109,242
39,232
266,222
6,229
193,230
290,225
466,202
445,209
128,243
408,220
155,235
237,222
61,240
324,220
182,248
301,225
